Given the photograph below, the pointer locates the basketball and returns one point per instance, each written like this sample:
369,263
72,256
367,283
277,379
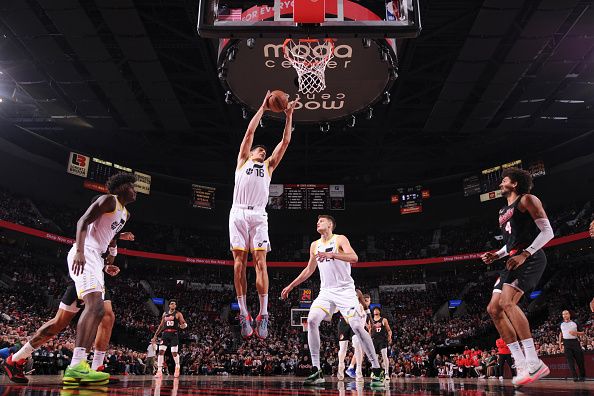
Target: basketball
278,101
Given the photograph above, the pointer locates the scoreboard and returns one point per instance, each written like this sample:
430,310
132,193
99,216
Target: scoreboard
410,199
306,196
97,171
487,183
203,197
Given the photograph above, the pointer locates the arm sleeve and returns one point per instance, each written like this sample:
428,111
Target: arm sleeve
502,252
545,235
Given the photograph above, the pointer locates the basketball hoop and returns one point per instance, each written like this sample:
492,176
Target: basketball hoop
309,58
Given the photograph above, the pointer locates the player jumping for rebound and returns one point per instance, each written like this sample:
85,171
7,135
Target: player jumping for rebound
526,230
334,255
248,221
171,322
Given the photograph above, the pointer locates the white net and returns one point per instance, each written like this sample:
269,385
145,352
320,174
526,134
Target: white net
309,57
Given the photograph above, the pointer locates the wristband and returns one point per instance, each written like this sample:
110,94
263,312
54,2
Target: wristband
502,252
113,251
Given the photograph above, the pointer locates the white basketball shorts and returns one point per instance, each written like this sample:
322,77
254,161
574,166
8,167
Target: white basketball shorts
248,229
344,300
91,280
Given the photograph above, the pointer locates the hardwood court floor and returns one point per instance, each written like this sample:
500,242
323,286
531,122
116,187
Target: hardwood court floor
284,386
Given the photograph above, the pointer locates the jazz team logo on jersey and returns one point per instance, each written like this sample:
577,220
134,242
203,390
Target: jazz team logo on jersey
257,169
118,225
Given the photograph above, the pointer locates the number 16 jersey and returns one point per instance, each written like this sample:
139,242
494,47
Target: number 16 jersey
252,184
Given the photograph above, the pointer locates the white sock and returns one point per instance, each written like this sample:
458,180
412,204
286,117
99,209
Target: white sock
342,351
263,304
385,361
98,358
23,353
176,360
241,300
517,353
78,356
358,356
529,350
160,363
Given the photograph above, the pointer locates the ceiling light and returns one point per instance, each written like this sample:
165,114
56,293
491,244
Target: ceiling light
569,101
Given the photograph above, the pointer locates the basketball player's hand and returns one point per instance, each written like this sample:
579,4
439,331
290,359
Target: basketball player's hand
78,263
489,257
515,261
321,256
285,292
291,107
127,236
183,325
265,102
109,260
112,270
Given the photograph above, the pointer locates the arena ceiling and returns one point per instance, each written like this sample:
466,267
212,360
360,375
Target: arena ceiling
486,81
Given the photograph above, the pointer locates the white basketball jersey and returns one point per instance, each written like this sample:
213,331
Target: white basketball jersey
252,184
102,230
334,273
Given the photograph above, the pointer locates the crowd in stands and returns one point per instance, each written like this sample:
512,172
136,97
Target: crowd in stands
479,233
33,277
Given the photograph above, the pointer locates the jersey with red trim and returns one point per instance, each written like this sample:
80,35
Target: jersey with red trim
171,321
518,229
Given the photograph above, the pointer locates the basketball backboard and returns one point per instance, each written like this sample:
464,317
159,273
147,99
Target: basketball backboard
253,54
309,18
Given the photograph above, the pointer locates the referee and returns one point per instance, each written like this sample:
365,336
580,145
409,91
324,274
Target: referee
570,344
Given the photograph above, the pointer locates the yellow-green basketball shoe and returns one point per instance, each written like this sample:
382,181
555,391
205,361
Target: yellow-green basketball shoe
82,374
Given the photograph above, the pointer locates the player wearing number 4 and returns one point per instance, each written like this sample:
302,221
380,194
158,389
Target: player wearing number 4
171,322
248,221
526,230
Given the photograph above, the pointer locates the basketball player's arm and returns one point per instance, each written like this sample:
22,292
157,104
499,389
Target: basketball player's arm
159,328
532,205
345,251
304,275
561,341
248,138
104,204
281,148
182,322
389,330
